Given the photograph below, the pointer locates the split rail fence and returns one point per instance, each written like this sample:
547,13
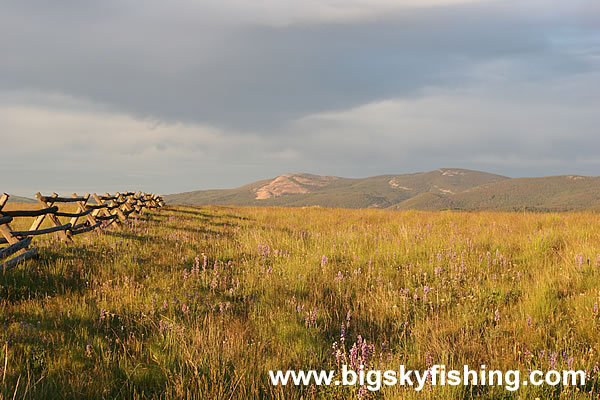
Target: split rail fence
106,210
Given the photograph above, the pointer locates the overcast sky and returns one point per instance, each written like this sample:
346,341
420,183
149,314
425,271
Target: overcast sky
172,96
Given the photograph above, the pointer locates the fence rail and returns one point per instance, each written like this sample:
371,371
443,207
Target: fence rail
106,210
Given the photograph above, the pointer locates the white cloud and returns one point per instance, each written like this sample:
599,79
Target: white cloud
56,142
494,124
56,123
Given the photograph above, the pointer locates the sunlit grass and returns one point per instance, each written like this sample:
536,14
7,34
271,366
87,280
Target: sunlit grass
202,302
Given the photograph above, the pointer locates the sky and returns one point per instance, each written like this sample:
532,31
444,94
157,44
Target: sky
175,96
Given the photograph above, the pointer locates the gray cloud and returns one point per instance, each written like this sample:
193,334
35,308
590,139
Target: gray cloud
166,63
216,94
538,128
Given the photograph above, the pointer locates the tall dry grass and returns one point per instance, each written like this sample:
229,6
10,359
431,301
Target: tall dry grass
202,302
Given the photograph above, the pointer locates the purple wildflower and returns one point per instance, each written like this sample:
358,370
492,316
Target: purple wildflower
311,318
426,290
362,392
354,356
579,259
428,359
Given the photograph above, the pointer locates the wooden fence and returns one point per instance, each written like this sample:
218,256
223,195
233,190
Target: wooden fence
106,209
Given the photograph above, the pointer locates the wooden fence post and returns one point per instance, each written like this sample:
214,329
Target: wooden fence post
5,229
53,218
115,208
107,204
16,244
117,203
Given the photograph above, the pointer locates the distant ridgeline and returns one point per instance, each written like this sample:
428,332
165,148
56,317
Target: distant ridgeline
442,189
106,209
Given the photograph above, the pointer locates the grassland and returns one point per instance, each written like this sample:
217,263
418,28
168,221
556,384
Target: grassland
202,302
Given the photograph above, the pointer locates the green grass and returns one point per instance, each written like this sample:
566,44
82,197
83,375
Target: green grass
130,313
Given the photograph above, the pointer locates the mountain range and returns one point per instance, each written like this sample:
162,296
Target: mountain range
442,189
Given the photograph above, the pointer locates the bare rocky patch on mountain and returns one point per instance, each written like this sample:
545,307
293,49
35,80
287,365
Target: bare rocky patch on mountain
293,184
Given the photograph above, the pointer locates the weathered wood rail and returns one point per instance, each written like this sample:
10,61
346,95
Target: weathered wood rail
108,209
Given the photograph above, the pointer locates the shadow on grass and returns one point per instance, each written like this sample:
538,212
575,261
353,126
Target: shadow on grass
127,235
208,215
64,271
234,217
203,231
92,368
24,284
190,212
48,274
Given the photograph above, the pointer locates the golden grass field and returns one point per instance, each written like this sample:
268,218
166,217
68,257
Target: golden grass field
203,302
